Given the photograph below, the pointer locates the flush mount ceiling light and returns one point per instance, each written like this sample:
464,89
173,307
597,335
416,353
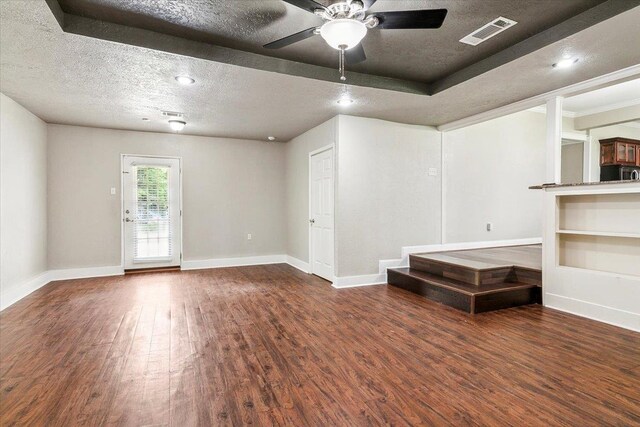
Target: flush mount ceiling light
345,100
565,63
347,24
271,138
177,125
185,80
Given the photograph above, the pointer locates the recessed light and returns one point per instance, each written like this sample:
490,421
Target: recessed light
345,100
565,63
185,80
271,138
177,125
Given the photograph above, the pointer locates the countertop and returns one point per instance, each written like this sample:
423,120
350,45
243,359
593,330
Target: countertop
583,184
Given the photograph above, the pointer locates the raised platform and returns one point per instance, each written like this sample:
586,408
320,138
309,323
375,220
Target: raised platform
475,280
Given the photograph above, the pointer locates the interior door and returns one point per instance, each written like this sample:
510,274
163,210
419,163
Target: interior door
321,209
151,212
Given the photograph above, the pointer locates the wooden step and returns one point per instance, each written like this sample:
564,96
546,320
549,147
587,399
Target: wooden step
462,295
464,270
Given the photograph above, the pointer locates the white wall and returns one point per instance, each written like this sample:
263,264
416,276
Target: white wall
385,198
488,169
230,188
297,185
23,201
597,134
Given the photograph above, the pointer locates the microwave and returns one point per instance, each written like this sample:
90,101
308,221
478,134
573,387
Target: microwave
619,173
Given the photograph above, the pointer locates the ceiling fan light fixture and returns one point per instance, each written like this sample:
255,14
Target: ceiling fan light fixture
343,32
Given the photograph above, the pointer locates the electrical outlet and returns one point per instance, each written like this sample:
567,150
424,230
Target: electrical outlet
433,172
489,226
113,191
249,236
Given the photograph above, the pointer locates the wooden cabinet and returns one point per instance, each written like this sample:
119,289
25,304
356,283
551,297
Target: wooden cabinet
619,151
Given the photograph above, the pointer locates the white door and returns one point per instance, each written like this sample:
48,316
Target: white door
151,212
321,218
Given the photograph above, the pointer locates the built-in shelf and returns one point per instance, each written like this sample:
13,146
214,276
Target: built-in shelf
592,213
582,243
591,261
600,233
600,253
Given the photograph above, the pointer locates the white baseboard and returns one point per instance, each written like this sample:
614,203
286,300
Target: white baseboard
601,313
383,264
83,273
365,280
299,264
16,293
233,262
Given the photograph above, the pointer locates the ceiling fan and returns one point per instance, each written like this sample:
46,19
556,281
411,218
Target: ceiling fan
347,24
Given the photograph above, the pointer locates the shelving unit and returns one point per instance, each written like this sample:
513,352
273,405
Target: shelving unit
599,232
591,251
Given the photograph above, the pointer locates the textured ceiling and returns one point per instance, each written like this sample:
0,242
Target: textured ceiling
72,79
417,55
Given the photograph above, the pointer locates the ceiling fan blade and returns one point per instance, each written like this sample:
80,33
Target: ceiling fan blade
411,19
355,55
368,3
308,5
293,38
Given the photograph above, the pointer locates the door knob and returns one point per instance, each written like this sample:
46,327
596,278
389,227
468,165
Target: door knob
312,221
128,220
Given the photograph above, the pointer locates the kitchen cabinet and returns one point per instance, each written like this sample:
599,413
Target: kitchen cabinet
619,151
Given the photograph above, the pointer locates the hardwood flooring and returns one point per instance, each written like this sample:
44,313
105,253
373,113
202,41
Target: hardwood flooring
269,345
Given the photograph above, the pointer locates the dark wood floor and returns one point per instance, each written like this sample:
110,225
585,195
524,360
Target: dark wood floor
269,345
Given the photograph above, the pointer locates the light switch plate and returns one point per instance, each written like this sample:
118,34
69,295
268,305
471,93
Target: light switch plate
113,191
249,236
433,172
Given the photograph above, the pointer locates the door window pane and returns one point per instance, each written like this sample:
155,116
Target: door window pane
152,231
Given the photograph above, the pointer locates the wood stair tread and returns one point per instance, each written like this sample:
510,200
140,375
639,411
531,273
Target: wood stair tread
459,262
461,287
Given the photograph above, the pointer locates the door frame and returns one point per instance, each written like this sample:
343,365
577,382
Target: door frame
122,238
310,233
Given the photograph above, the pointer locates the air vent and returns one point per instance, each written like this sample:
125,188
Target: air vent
485,32
172,114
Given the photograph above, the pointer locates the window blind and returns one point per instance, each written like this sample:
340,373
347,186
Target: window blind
152,230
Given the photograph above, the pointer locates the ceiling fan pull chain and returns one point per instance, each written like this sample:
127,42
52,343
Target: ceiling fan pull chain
342,63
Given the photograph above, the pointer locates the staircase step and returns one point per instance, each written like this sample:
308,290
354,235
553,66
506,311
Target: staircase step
472,272
464,296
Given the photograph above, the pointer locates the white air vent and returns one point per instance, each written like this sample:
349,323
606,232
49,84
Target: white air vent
172,114
485,32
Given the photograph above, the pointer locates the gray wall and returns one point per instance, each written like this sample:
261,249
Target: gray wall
230,188
572,163
297,185
385,198
23,199
488,169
